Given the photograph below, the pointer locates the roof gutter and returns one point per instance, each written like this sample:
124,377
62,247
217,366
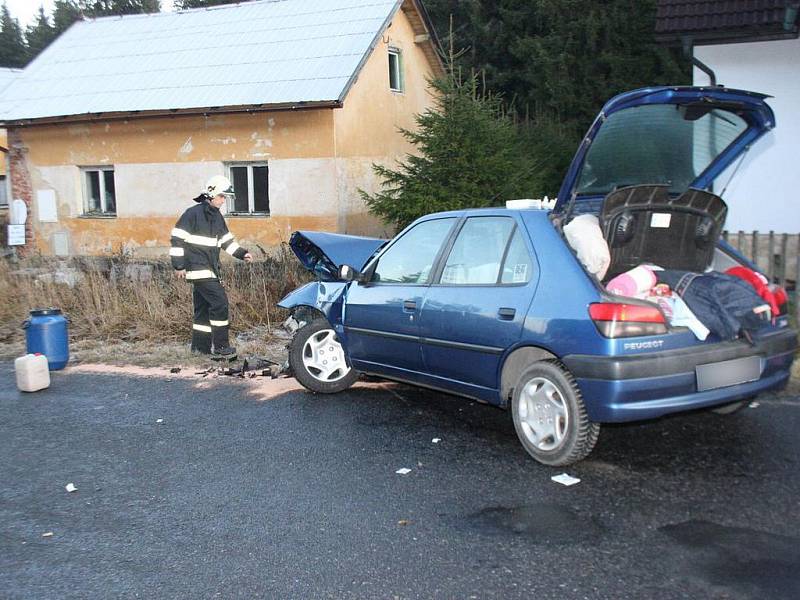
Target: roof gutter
175,112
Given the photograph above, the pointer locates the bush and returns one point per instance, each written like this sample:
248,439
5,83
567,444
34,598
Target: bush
120,300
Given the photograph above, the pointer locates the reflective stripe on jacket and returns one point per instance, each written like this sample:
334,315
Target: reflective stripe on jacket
197,238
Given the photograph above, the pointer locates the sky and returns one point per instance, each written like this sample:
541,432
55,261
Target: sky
25,10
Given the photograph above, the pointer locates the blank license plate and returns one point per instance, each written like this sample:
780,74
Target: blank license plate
729,372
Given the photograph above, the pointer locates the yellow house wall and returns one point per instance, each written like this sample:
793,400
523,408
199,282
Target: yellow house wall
367,126
318,160
160,164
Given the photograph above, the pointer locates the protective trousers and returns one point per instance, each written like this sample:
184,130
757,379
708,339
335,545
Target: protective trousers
210,316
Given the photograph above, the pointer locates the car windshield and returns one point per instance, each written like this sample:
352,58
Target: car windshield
659,143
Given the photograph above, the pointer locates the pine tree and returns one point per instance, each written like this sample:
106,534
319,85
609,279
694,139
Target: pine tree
65,13
39,34
470,155
13,52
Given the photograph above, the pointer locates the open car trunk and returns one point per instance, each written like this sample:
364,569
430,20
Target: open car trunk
643,224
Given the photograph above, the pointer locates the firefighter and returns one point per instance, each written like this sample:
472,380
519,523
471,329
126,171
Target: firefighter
197,239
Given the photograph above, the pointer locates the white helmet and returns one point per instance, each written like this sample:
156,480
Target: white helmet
219,185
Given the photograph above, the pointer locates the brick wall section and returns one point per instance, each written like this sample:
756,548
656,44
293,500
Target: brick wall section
21,184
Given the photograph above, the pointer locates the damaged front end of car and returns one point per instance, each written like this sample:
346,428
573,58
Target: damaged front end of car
334,259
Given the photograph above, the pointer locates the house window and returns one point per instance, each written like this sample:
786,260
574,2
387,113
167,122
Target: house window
251,186
99,192
3,191
395,70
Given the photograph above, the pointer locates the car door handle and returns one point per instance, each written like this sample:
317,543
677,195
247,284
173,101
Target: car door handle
507,314
409,305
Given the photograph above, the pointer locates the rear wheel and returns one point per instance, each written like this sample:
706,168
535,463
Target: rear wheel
318,360
550,416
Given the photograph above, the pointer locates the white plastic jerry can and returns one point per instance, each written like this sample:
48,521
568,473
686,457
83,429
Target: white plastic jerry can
33,373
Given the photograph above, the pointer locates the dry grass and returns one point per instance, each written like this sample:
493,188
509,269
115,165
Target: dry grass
140,307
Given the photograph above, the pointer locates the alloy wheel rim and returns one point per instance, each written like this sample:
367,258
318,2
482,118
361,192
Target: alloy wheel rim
323,357
542,414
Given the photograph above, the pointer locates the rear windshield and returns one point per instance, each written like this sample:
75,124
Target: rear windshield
660,143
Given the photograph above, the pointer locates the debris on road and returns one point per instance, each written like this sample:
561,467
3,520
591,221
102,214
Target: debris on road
403,471
403,522
755,404
565,479
48,534
436,440
159,420
70,487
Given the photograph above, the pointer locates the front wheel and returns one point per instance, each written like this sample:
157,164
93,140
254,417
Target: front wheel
550,416
318,360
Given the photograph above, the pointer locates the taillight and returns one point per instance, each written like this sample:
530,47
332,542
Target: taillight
781,299
627,320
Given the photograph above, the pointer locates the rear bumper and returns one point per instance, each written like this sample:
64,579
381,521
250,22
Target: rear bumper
645,386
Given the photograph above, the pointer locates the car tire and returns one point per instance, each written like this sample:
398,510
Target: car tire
550,417
731,407
318,360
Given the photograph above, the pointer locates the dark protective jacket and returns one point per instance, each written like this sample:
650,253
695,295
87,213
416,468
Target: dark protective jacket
197,238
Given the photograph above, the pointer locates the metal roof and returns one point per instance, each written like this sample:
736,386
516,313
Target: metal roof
268,52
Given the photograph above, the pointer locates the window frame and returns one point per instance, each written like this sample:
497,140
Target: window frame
398,54
372,267
445,254
5,194
251,201
85,170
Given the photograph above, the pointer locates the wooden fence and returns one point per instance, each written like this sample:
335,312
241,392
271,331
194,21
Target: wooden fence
776,255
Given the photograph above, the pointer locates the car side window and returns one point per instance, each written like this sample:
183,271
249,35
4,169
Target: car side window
478,252
517,267
410,259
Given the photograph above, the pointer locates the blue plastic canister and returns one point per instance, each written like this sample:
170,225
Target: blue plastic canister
46,332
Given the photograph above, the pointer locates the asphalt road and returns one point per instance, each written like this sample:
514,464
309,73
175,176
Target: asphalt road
297,497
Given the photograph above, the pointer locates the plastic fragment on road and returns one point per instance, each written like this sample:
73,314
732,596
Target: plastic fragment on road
754,404
159,420
565,479
70,487
436,440
48,534
403,522
403,471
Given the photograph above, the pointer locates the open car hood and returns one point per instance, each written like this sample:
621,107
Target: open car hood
679,137
323,253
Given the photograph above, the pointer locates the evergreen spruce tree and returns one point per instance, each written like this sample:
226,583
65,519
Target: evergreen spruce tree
65,13
39,34
470,155
13,52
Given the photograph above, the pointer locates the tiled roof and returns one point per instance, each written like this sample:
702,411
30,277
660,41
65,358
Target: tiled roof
261,53
721,17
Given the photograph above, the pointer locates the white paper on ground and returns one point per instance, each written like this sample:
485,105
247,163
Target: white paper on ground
565,479
403,471
70,487
436,440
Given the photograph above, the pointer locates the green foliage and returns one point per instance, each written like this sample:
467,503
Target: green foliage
13,52
560,60
470,154
39,34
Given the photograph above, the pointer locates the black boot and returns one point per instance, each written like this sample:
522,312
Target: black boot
227,353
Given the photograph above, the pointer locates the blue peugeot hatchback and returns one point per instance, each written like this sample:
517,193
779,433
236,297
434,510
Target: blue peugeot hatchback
494,304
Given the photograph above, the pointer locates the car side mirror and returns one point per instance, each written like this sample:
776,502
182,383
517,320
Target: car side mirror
348,273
